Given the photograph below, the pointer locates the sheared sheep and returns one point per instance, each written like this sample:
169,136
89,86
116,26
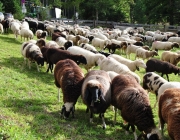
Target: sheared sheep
26,33
128,96
96,93
61,41
174,39
69,77
169,112
171,57
162,67
132,65
33,53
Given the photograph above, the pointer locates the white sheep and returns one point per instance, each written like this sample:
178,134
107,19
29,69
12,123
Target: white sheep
24,24
15,27
160,45
111,64
91,57
145,54
171,57
26,33
100,43
160,37
174,39
131,49
1,29
88,47
83,40
132,65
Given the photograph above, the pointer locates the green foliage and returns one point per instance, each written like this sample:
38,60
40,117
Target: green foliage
1,7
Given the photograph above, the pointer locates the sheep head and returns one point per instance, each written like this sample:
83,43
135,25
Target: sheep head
175,44
93,93
67,108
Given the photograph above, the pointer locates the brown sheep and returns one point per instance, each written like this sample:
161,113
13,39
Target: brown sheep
169,112
171,57
128,96
69,77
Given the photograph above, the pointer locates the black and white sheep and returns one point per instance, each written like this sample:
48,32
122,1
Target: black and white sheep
128,96
96,93
53,55
152,82
33,53
169,112
69,77
161,67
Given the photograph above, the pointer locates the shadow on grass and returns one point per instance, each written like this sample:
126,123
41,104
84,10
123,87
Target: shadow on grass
6,38
48,124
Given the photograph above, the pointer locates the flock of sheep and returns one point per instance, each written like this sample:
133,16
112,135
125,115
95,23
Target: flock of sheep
116,82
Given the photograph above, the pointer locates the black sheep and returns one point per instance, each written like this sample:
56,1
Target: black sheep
161,67
69,77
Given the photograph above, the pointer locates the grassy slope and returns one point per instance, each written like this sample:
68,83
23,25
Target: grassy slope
29,108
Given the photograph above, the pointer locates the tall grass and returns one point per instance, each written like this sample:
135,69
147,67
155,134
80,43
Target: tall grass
29,108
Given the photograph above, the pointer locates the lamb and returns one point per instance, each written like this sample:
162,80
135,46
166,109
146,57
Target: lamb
128,96
159,45
33,53
91,57
53,55
145,54
131,49
162,67
61,41
1,29
152,82
69,77
26,33
96,93
111,64
88,47
169,112
171,57
132,65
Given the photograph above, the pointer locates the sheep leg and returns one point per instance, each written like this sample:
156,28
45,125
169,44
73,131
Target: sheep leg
91,117
167,77
115,114
101,115
58,94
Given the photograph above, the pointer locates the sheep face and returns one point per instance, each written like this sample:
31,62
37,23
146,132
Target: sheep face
40,61
68,44
67,108
82,60
140,63
176,45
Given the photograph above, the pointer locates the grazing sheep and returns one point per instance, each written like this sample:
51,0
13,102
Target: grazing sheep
91,57
69,77
100,43
128,96
131,49
145,54
112,47
53,55
160,37
174,39
96,93
15,27
159,45
33,53
162,67
152,82
169,112
26,33
41,34
132,65
171,57
61,41
88,47
83,40
73,38
111,64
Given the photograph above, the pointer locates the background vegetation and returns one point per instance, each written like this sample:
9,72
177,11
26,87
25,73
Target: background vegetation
132,11
29,108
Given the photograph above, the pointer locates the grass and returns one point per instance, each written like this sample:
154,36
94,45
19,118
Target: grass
29,108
